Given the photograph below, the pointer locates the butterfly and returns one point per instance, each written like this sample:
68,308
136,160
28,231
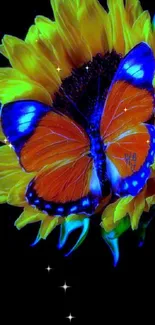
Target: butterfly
73,166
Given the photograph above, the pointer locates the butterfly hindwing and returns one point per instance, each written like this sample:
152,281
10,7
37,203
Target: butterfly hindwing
65,189
129,159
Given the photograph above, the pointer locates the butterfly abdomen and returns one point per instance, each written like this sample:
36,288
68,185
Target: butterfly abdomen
99,158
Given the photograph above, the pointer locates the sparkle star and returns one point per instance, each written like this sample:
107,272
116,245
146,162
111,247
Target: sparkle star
70,317
148,141
5,140
10,145
125,109
58,69
65,287
49,269
87,68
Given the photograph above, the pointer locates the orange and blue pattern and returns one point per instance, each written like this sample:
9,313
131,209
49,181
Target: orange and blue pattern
89,149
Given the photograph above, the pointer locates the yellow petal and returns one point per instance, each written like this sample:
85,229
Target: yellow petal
17,193
108,217
74,217
10,170
139,206
23,58
153,46
8,179
122,208
15,86
142,29
2,136
3,197
150,201
29,215
8,159
45,39
92,15
121,37
47,225
69,30
34,38
3,51
134,9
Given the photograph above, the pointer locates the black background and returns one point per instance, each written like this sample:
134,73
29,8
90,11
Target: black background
29,289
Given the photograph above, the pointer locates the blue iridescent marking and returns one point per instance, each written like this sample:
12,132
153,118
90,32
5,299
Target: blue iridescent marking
60,209
134,183
73,209
48,206
36,201
25,122
126,186
134,70
85,202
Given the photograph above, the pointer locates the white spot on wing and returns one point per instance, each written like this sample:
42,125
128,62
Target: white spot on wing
134,183
95,184
113,174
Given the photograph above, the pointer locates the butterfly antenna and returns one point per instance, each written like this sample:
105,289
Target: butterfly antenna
98,91
98,88
74,104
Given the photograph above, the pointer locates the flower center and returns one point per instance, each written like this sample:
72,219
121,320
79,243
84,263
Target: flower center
81,96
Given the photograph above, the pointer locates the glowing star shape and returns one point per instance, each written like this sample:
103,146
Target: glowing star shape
58,69
65,287
48,269
70,317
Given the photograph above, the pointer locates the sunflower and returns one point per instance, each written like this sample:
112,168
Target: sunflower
66,53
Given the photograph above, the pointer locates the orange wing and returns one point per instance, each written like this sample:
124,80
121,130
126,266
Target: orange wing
65,181
68,182
129,144
56,148
56,138
65,189
129,151
126,106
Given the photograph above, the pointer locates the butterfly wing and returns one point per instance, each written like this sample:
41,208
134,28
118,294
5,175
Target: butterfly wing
129,104
137,67
56,148
129,158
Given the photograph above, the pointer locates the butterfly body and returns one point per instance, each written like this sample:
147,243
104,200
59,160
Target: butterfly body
97,152
76,168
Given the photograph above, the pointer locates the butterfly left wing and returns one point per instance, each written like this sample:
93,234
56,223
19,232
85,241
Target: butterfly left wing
130,102
56,149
